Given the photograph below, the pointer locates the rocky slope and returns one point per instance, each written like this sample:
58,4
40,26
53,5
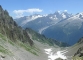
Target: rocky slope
79,52
75,52
9,28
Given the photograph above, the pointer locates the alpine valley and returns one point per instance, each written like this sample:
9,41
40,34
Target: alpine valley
28,38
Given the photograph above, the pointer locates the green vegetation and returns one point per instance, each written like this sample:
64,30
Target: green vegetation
77,58
2,36
12,43
6,39
27,47
3,50
41,38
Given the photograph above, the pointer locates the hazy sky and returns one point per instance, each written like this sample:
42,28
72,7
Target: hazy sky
17,8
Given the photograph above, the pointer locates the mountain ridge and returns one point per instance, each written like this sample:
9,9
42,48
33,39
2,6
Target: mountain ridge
58,23
10,28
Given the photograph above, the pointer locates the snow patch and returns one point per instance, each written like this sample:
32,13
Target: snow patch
77,16
53,17
54,56
63,15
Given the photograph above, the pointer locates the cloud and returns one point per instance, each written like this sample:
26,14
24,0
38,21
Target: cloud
20,13
33,10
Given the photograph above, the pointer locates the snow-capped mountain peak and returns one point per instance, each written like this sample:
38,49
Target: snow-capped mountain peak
45,15
57,22
63,15
53,17
57,13
80,15
66,14
31,18
35,17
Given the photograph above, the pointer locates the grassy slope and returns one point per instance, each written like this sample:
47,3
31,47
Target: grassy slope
41,38
20,50
7,47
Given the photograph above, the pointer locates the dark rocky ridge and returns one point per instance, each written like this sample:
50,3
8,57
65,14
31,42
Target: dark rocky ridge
11,30
80,50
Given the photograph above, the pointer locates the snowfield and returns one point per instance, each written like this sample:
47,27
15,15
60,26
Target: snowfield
54,56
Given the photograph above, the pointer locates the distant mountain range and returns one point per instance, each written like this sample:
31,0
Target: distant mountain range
41,22
60,26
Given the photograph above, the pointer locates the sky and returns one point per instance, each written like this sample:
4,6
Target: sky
20,8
